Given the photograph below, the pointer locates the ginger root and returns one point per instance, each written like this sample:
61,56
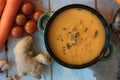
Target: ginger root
10,78
26,63
13,77
3,65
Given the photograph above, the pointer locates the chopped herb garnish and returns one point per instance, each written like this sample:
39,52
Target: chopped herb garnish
85,38
89,44
68,45
81,39
75,36
62,40
57,38
96,34
73,44
81,21
74,29
64,28
91,21
63,49
64,53
86,29
90,51
69,32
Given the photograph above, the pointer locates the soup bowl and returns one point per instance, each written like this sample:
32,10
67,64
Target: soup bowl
45,29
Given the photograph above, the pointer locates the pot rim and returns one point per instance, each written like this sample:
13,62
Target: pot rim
107,36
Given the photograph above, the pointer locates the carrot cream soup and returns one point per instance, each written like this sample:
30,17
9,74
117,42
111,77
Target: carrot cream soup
76,36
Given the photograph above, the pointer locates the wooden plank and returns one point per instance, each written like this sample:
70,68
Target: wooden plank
11,58
62,73
90,3
107,8
107,70
56,4
41,4
38,47
3,56
3,53
59,72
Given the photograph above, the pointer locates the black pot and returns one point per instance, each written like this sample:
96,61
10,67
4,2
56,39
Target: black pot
51,16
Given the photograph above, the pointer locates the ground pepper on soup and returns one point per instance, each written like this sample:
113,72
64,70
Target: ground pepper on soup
76,36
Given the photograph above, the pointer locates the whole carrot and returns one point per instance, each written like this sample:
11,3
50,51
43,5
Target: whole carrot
7,19
2,5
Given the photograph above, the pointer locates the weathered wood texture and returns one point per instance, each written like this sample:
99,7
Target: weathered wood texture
90,3
41,4
107,70
107,8
3,56
102,70
56,4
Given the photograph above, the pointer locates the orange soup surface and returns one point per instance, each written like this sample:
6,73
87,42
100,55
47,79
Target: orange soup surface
76,36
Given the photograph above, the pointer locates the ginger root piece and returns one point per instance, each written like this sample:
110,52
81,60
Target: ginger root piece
3,65
10,78
13,77
26,63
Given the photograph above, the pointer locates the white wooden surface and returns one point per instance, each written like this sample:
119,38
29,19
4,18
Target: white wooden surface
103,70
3,56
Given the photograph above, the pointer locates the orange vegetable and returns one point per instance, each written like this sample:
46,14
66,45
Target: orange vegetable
117,1
2,5
37,14
30,27
7,19
17,32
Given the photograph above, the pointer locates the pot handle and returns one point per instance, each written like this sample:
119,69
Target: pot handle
111,53
42,18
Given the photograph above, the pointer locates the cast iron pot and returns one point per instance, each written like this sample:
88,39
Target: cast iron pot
44,30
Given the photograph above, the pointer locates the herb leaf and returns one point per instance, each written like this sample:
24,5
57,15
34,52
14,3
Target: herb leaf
86,29
68,45
96,34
